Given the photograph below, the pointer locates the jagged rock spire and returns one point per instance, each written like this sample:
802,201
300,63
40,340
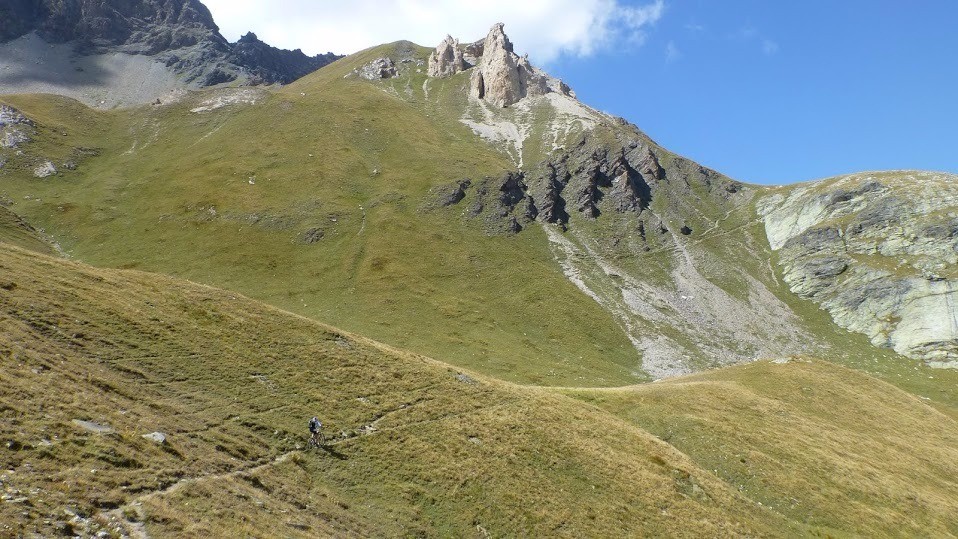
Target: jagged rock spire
497,77
447,59
500,76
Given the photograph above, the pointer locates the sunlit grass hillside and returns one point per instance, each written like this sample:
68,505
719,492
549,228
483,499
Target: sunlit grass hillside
315,200
417,447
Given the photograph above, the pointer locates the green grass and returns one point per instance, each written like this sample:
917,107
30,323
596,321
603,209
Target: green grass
170,193
15,231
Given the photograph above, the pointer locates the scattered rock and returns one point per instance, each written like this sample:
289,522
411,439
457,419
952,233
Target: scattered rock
156,437
453,194
15,128
466,379
231,96
12,138
10,116
313,235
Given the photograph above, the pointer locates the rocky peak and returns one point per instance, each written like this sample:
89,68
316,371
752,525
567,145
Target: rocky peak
497,78
447,59
178,33
500,76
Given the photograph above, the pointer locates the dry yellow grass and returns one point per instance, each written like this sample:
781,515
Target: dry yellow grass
804,448
231,382
820,444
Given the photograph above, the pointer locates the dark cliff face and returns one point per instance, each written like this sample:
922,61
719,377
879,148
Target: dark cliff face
270,64
618,171
18,17
144,26
180,33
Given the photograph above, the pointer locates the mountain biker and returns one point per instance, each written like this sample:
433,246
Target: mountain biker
315,426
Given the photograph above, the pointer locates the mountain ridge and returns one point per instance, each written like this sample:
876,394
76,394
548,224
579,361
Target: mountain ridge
179,34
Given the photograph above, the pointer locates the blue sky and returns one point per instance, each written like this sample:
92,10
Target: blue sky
778,92
763,91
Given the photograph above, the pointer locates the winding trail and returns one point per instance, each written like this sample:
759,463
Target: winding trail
116,520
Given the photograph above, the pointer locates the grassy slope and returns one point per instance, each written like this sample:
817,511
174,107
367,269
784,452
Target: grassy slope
820,444
825,450
14,230
170,193
231,382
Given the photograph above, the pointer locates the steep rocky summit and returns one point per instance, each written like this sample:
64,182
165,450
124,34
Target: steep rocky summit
499,75
178,33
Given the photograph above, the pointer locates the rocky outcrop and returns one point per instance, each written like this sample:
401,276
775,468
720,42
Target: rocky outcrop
446,60
15,128
499,75
502,202
179,33
609,171
45,170
380,68
879,253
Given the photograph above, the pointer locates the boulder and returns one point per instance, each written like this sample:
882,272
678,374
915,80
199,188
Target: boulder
93,426
380,68
156,437
45,170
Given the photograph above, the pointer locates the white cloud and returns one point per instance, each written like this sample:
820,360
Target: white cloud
545,29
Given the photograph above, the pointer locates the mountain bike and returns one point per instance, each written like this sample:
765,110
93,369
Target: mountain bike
317,440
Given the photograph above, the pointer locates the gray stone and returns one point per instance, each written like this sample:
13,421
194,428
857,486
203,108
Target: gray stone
878,254
45,170
466,379
93,426
156,437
